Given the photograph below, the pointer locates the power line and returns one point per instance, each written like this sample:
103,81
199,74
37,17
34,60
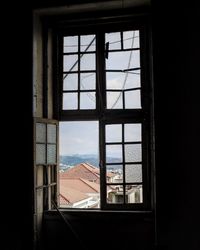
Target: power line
126,76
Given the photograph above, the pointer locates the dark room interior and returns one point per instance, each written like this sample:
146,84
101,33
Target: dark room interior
170,220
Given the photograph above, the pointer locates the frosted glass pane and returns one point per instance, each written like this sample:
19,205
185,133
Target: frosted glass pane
88,62
133,173
134,194
70,82
133,99
114,100
70,44
40,153
115,194
40,132
51,154
124,80
70,63
87,81
113,153
70,101
85,42
114,133
133,153
123,60
51,133
131,39
133,132
88,100
114,40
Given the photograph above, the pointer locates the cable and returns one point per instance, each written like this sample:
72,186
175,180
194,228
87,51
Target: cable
126,76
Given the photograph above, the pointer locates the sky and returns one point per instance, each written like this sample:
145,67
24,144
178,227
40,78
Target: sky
82,137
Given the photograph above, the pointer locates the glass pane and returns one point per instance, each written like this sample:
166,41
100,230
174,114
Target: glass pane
53,174
133,132
88,43
87,100
70,81
114,133
40,153
39,200
51,133
123,60
51,154
88,62
114,173
70,63
115,194
124,80
133,153
70,101
134,194
70,44
40,132
114,100
131,39
87,81
39,179
114,40
133,173
113,153
133,99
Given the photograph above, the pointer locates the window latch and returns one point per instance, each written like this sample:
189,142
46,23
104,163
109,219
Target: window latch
106,50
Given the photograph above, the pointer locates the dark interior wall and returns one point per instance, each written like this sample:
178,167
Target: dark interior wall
176,73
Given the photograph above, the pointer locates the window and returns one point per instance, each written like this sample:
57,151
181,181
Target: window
103,76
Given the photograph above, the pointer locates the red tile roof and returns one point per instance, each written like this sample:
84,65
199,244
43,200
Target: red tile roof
80,185
83,170
69,195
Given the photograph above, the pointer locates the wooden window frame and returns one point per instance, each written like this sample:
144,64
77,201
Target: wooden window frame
106,116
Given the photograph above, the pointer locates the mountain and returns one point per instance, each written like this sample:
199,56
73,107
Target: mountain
73,160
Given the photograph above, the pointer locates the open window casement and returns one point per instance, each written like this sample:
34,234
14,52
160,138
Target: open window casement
45,167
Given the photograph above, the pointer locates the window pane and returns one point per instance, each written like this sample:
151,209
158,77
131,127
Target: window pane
39,173
114,100
87,81
124,80
114,133
134,194
70,101
80,179
133,132
113,153
70,63
88,62
123,60
114,40
115,194
51,133
133,153
114,173
133,173
40,132
86,41
51,154
132,99
40,153
131,39
70,44
87,100
70,82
